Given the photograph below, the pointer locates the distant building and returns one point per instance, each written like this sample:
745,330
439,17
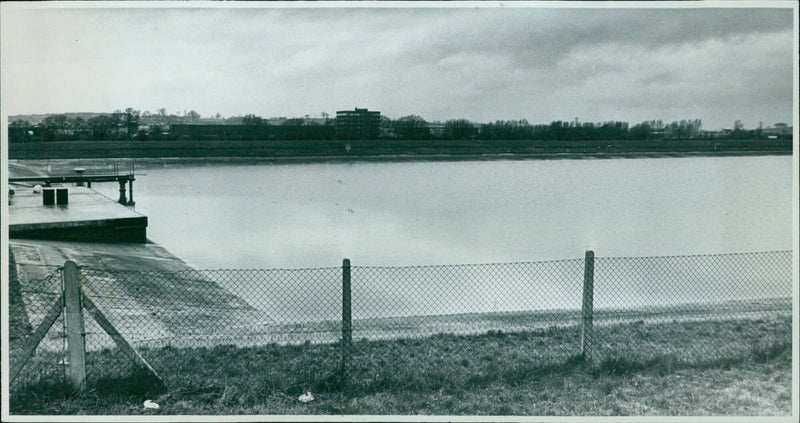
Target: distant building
358,124
436,129
779,129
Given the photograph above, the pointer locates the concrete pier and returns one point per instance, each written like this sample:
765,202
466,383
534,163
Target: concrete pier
88,216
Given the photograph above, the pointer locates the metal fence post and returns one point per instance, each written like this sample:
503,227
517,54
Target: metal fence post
587,311
347,323
76,337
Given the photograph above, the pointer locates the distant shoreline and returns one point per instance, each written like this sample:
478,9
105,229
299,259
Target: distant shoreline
58,166
316,151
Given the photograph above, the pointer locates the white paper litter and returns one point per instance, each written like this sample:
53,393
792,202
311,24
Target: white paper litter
307,397
151,404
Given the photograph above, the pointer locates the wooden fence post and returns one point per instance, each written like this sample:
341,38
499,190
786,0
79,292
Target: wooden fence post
587,311
76,337
347,323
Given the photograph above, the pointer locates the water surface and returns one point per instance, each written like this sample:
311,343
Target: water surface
397,214
442,213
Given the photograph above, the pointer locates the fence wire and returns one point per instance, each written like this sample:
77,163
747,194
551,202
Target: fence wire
679,308
691,309
409,302
216,307
29,304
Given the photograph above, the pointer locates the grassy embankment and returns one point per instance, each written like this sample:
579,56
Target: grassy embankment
735,367
393,149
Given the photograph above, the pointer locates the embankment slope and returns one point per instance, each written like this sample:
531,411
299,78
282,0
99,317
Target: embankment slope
128,282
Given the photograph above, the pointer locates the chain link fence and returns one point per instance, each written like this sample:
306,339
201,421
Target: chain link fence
690,309
362,325
31,297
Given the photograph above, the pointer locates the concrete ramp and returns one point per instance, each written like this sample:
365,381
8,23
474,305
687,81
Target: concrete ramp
152,297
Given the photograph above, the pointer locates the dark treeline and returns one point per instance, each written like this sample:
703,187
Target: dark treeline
612,130
130,124
289,131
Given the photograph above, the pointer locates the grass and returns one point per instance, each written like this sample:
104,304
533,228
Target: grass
689,368
395,149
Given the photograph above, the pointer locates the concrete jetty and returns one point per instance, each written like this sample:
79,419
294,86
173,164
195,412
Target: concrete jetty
86,216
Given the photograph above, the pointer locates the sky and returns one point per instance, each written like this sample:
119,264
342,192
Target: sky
482,64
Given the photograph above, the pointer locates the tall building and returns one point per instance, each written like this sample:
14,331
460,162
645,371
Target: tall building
358,124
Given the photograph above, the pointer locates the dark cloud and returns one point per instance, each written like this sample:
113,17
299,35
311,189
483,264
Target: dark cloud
543,37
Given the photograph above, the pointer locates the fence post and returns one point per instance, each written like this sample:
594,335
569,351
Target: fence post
587,311
347,323
76,337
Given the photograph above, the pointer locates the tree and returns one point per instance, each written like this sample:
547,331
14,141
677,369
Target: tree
738,129
411,127
162,111
56,121
458,129
131,121
55,125
119,118
101,126
294,122
156,132
19,123
559,130
252,120
193,116
641,131
506,130
386,128
76,123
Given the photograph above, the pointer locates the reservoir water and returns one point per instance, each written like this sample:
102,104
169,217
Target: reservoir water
440,213
418,213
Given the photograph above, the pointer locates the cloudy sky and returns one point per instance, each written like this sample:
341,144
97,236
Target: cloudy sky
482,64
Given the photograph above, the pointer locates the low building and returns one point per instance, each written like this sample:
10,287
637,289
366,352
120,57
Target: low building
436,129
358,124
779,129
